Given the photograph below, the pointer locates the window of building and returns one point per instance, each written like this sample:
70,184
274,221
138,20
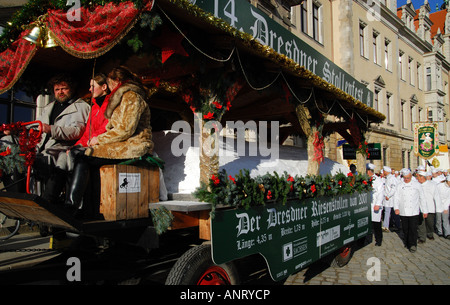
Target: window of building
376,98
4,110
304,17
410,71
412,115
403,158
388,108
438,77
375,47
428,76
16,106
387,57
402,109
362,39
401,65
419,76
316,8
430,115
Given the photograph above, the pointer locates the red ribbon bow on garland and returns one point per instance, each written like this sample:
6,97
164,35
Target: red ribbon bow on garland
28,140
318,147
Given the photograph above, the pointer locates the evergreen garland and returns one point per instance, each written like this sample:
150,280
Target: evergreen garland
140,37
243,191
162,219
10,159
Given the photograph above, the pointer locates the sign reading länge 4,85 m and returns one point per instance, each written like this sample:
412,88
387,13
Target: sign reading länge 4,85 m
293,235
248,19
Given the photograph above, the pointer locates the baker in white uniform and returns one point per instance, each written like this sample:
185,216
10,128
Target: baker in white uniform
389,193
433,200
409,201
377,203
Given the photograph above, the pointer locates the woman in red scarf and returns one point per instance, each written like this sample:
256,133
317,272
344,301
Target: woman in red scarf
96,123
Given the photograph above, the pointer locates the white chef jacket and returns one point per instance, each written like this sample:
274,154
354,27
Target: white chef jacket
377,197
438,179
444,193
389,190
410,199
432,196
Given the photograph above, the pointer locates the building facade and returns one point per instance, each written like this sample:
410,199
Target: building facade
401,53
404,63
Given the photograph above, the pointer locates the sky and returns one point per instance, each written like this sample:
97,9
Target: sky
418,3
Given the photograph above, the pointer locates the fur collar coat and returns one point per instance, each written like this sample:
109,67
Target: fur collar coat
128,133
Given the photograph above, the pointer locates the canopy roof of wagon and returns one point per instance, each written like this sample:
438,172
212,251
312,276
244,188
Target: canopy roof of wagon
184,54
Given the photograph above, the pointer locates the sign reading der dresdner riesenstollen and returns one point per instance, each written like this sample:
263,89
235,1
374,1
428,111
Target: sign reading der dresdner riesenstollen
290,236
249,19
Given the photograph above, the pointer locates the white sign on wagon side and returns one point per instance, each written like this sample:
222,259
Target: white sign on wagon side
129,182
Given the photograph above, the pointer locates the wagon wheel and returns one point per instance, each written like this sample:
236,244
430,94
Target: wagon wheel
195,267
8,227
343,256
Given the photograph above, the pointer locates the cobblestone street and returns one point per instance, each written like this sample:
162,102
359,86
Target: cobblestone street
429,265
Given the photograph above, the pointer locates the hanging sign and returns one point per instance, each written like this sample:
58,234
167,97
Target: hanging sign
245,17
426,140
374,152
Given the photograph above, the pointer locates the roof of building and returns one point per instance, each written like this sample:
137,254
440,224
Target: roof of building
437,18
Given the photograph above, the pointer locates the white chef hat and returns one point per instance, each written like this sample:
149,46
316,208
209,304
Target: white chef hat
405,171
370,166
421,168
422,173
387,169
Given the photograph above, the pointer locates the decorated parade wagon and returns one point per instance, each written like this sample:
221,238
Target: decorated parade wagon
225,101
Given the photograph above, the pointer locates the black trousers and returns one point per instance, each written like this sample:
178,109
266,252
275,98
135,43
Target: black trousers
410,225
377,232
88,186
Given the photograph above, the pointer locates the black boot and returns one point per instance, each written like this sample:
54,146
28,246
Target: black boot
54,185
80,181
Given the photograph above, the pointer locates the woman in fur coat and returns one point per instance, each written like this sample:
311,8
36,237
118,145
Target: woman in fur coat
128,133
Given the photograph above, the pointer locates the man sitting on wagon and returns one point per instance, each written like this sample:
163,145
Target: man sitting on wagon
63,123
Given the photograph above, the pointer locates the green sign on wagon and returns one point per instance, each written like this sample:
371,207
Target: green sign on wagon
290,236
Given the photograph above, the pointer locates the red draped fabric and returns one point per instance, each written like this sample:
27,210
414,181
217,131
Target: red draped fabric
98,30
14,60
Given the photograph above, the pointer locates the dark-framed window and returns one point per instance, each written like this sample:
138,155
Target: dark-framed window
16,106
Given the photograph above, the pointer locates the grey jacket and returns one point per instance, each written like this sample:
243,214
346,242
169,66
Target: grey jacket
67,128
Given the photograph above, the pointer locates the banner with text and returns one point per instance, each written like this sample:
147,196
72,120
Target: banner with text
249,19
290,236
